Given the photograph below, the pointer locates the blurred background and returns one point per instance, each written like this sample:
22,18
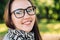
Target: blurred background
48,14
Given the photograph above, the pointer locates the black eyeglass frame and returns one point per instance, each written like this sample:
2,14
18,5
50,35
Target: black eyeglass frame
24,11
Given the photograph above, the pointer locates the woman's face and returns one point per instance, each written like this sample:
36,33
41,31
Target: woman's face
22,21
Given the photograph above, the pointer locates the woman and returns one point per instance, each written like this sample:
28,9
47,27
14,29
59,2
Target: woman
21,19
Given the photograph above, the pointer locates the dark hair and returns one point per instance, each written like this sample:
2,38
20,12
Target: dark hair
9,23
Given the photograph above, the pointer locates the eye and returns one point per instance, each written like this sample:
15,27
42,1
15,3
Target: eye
29,10
18,12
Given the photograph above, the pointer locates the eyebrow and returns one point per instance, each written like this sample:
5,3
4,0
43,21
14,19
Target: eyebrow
22,8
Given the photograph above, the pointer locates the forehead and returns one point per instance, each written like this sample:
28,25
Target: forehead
20,4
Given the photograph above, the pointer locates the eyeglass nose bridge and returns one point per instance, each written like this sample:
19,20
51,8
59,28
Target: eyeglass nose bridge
25,12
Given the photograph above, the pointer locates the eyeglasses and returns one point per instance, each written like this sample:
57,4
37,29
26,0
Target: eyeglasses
19,13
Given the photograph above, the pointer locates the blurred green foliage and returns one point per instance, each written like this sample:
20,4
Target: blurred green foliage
2,7
49,9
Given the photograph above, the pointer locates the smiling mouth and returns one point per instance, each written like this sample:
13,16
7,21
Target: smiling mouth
27,22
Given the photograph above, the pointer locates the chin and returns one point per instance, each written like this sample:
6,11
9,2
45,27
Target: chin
27,30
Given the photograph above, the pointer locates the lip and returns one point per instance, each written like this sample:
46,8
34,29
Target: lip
27,22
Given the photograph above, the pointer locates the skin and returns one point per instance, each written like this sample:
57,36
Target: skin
21,23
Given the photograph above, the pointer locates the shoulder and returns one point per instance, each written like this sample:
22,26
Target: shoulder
6,37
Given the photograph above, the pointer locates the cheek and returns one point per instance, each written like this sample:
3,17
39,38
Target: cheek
33,17
16,21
